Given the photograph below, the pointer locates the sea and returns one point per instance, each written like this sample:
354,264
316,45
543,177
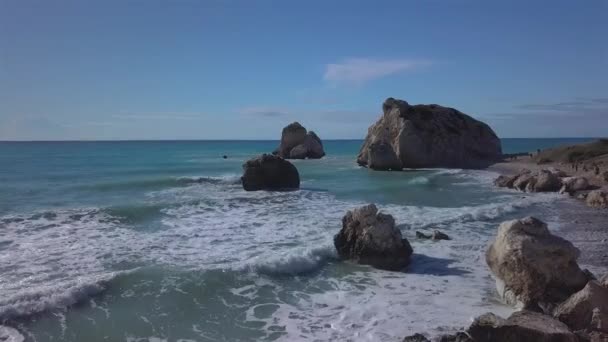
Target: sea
157,241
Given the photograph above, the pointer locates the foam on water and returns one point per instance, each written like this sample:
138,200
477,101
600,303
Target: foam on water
54,259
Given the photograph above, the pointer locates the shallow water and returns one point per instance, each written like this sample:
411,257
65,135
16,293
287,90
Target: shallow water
157,241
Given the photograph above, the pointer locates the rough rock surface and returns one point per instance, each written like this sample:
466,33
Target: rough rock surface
577,311
526,180
544,181
371,238
597,199
604,281
574,184
297,143
428,136
268,172
416,338
521,326
533,267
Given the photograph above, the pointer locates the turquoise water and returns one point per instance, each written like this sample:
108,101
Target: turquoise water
155,241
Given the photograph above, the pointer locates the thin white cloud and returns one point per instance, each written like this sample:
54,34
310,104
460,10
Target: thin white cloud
361,70
263,111
158,116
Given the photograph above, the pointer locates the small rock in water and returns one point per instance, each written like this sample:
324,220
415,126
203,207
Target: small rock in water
437,235
371,238
421,235
416,338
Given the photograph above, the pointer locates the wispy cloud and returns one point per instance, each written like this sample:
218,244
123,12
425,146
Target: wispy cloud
358,71
158,116
264,111
573,107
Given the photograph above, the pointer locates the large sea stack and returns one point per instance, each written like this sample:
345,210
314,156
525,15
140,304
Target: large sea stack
427,136
297,143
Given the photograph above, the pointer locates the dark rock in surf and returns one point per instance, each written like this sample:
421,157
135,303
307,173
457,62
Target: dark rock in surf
427,136
268,172
521,326
436,235
371,238
297,143
416,338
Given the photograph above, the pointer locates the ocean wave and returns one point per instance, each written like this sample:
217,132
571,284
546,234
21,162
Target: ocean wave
8,334
155,183
294,262
56,295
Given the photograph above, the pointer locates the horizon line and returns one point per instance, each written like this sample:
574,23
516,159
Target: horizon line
228,140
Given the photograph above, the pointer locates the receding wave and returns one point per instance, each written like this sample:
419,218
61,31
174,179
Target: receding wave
165,182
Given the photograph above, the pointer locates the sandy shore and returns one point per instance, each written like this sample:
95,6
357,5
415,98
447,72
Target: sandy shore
585,227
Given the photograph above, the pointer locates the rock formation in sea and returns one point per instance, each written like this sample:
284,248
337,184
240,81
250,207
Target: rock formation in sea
418,136
371,238
268,172
533,267
297,143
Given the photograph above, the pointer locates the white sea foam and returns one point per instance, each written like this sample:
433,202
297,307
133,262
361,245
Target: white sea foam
55,259
8,334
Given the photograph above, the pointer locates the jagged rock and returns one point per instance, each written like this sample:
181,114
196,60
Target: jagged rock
533,267
597,199
577,311
416,338
504,181
544,181
297,143
521,326
521,182
458,337
429,136
268,172
381,156
371,238
574,184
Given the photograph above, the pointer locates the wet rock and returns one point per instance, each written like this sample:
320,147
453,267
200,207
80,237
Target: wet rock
269,172
521,326
371,238
416,338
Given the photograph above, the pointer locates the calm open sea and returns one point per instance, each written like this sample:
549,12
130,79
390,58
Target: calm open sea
157,241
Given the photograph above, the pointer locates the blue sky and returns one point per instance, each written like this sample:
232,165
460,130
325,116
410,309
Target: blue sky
227,69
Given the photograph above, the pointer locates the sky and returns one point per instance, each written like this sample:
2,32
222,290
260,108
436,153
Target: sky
228,69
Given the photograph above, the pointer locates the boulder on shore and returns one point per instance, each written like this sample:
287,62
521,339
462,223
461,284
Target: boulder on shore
597,199
427,136
578,311
521,326
371,238
533,267
268,172
574,184
297,143
528,181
